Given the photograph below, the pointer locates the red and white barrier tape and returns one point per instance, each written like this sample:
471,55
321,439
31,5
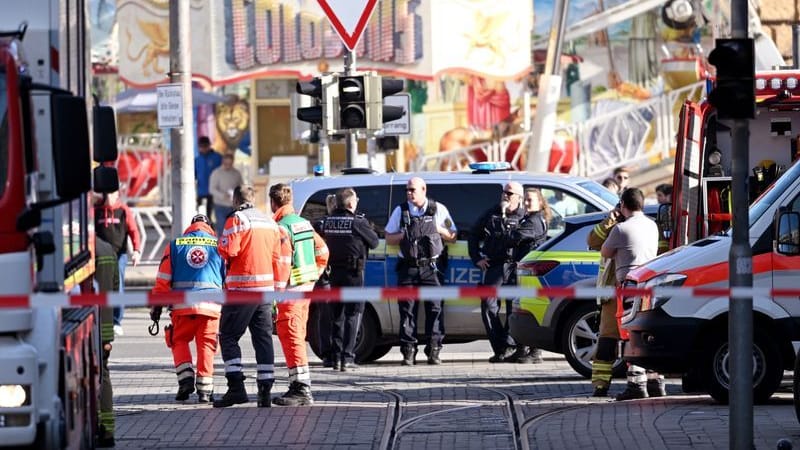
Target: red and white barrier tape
351,294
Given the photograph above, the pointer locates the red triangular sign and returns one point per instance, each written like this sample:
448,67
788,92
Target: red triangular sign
348,18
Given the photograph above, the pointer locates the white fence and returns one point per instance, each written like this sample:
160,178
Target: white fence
618,134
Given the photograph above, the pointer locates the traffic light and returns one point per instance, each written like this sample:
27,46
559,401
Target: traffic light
352,102
734,93
311,114
391,86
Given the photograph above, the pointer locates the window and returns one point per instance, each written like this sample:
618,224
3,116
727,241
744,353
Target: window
466,202
372,202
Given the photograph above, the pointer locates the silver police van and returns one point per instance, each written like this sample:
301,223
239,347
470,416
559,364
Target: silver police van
466,195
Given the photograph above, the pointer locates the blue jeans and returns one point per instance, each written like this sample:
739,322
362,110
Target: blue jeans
122,261
220,213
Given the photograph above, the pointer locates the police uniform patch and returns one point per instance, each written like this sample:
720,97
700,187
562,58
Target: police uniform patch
197,257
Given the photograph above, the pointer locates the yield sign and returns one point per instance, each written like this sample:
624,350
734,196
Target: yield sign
348,18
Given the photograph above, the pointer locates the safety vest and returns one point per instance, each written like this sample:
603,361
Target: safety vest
196,264
421,241
301,234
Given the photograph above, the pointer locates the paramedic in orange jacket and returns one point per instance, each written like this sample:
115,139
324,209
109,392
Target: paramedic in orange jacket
191,263
258,256
309,260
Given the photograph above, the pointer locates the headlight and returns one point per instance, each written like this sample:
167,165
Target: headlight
661,283
13,395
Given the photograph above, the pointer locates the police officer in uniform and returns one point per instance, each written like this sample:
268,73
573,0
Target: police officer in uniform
420,227
349,237
492,245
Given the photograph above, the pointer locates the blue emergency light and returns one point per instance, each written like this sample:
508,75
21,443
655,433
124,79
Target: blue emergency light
486,167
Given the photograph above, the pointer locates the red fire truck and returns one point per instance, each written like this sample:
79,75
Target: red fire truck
49,356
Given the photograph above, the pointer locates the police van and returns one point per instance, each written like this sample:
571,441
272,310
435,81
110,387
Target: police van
466,195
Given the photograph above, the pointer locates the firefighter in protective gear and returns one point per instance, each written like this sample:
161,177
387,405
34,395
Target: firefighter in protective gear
309,258
606,353
191,262
107,276
257,255
420,226
349,237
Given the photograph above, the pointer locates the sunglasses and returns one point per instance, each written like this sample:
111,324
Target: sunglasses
411,189
509,193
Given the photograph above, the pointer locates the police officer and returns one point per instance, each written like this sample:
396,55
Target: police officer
324,319
349,236
420,226
492,247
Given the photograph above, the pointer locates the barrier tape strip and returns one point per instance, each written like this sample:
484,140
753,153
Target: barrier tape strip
352,294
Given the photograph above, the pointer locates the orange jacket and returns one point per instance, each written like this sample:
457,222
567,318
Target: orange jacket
164,279
257,251
320,248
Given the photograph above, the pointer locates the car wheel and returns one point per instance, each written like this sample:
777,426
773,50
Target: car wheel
380,351
767,367
796,386
366,341
579,340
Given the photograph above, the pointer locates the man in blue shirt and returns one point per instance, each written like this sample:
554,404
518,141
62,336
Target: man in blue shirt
204,163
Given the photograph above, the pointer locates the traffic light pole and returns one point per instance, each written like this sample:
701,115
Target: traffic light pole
351,142
182,138
740,321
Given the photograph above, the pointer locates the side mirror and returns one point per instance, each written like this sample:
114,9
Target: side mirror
105,134
71,158
787,233
106,179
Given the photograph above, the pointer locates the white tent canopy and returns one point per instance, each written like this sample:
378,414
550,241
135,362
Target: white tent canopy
142,100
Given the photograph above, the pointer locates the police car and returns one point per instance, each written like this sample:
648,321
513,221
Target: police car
563,325
466,195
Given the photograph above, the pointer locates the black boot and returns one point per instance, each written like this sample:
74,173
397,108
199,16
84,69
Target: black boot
433,356
633,391
185,388
409,354
299,394
236,393
264,395
656,386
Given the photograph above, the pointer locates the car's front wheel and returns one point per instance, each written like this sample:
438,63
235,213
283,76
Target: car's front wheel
715,366
579,339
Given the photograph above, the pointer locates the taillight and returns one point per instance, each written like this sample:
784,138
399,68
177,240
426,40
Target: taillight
535,268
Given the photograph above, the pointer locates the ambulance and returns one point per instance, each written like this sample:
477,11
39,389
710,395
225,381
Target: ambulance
688,335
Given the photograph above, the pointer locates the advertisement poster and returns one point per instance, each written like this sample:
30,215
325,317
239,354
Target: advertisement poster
236,40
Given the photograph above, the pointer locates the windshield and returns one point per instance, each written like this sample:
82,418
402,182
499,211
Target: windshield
600,191
770,196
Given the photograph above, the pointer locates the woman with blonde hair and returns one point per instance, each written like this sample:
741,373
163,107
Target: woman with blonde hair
531,232
533,227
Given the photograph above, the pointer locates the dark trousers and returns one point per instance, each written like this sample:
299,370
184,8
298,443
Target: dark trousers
324,322
346,316
235,319
408,275
498,275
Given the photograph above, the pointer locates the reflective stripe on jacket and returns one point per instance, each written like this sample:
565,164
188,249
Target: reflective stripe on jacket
257,250
192,263
309,252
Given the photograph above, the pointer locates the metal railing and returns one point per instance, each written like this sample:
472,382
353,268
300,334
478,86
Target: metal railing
618,134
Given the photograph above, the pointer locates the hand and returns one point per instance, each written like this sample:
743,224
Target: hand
483,264
155,313
135,257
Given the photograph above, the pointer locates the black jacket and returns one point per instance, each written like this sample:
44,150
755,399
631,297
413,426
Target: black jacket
492,236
